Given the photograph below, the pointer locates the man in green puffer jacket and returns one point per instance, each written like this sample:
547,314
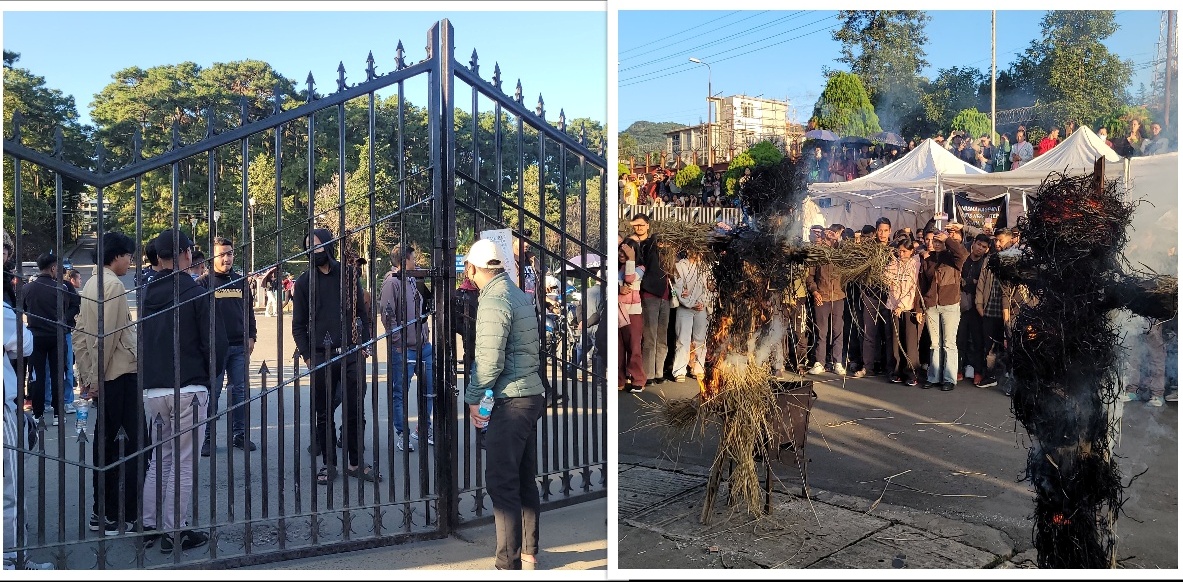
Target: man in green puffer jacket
506,361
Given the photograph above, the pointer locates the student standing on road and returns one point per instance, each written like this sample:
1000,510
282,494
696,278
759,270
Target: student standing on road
120,404
176,309
824,283
401,307
940,289
232,299
875,315
903,300
692,288
655,301
319,312
39,299
17,339
506,362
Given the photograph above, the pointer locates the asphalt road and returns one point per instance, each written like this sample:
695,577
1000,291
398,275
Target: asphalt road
959,455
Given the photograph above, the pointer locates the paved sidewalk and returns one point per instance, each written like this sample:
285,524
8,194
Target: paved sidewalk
573,538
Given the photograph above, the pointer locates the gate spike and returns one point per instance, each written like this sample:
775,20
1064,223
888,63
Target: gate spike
370,73
562,119
276,97
497,75
340,76
176,137
58,148
311,87
517,94
17,117
264,370
539,109
137,144
100,157
400,62
209,121
472,63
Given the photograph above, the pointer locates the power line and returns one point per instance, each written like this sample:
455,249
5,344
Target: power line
651,76
684,52
677,33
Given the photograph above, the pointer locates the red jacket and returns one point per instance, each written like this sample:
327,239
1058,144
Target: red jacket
1045,145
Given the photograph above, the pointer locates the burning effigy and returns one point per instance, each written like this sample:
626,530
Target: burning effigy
1064,351
755,266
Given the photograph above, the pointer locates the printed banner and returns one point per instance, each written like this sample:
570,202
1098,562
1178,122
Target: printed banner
983,215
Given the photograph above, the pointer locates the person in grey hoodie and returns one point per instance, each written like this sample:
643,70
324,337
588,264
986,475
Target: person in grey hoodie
401,307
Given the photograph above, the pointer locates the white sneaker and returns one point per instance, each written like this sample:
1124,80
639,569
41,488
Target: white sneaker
70,408
1129,397
1172,397
840,369
817,368
10,564
1155,401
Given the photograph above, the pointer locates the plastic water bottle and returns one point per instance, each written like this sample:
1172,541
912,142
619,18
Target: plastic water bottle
485,407
81,411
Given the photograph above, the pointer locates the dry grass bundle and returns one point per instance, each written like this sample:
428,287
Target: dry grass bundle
860,262
675,237
744,406
670,414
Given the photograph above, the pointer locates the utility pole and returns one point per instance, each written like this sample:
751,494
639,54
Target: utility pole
1166,104
993,78
710,151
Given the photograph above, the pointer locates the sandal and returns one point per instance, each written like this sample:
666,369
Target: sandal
326,475
365,473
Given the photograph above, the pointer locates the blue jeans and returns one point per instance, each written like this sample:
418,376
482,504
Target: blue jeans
68,387
403,367
942,331
236,369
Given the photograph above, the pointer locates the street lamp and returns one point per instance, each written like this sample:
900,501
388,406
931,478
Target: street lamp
217,215
251,202
710,161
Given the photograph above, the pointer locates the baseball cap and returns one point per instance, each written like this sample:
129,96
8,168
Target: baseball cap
485,255
164,243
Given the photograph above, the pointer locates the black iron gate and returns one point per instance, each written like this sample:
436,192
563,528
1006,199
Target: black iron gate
378,174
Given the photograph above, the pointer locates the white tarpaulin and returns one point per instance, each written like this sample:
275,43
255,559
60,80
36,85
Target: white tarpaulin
903,191
1075,155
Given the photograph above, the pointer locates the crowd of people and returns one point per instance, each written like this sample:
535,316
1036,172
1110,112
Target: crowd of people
942,319
658,188
193,311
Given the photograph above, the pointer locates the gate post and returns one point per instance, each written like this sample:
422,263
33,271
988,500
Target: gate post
442,114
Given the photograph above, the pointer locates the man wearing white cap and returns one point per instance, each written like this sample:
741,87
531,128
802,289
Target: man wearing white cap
506,361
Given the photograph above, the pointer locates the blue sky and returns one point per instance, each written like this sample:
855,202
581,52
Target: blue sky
780,54
563,54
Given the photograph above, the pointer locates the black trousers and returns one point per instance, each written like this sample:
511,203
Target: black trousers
327,394
971,346
45,356
904,355
511,455
993,333
876,325
120,405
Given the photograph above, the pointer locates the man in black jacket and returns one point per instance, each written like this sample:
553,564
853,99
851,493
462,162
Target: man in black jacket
232,299
327,329
40,302
655,301
184,353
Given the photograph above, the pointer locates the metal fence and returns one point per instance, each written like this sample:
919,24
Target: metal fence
376,172
695,214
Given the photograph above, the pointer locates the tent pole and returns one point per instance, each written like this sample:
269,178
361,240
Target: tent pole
1009,219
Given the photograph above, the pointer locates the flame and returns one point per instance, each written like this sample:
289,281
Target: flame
1059,519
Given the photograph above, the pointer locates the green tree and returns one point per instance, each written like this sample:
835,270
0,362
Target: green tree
43,111
760,154
844,108
689,179
885,48
972,121
627,146
954,89
1069,68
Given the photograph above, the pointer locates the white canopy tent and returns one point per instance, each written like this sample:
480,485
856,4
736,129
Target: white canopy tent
1074,156
906,191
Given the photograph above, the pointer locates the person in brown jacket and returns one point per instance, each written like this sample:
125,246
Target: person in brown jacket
940,289
824,283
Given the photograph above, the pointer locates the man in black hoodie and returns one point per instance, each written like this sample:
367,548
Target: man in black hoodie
232,299
655,301
328,328
184,354
40,302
